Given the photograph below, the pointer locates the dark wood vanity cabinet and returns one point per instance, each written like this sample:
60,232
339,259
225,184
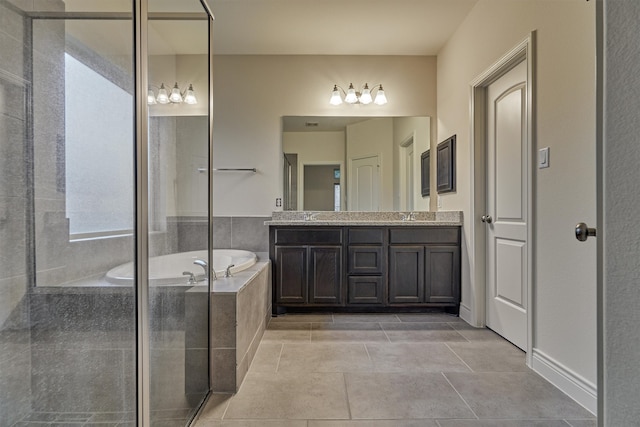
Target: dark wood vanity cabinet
384,268
307,266
424,266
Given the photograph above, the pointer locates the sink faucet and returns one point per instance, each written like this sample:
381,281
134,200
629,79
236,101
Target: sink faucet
204,265
192,277
411,216
310,216
227,273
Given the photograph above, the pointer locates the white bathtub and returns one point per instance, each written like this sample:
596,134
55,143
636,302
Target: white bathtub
167,269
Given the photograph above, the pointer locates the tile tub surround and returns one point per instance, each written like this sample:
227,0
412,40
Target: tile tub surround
240,311
443,218
342,370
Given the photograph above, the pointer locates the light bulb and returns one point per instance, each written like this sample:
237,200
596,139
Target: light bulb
351,97
175,96
190,96
336,99
151,98
163,97
381,98
365,98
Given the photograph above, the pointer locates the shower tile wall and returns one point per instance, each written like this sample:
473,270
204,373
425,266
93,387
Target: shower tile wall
15,351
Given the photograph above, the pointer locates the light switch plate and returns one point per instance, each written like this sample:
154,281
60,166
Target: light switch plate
543,158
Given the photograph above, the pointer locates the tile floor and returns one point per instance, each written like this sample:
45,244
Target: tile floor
387,370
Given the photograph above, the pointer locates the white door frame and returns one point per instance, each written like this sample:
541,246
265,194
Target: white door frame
477,259
402,173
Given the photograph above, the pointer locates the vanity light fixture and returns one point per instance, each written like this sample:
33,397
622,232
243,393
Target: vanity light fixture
176,96
364,96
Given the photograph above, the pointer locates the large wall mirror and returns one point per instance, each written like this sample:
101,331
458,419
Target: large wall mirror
353,163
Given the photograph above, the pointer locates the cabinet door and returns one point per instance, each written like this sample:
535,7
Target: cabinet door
442,274
291,274
366,290
325,274
406,274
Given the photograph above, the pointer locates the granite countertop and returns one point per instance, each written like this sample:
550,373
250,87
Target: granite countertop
380,219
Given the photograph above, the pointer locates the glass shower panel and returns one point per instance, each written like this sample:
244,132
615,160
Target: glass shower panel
82,315
178,147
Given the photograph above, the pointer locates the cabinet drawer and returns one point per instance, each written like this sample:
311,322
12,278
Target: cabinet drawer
366,290
370,236
306,236
424,235
366,259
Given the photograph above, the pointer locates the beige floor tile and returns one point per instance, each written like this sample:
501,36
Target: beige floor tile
267,357
414,357
421,332
311,317
215,407
582,423
387,396
369,317
429,317
348,332
287,332
324,357
514,395
502,423
291,396
483,356
476,334
374,423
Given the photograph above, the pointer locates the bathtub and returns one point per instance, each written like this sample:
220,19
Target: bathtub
167,269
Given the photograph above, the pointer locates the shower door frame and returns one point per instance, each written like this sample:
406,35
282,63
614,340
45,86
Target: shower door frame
140,18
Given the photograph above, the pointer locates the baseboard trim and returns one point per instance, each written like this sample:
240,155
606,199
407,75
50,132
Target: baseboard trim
572,384
465,314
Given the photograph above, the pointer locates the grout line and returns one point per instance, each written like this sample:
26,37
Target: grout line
465,402
279,357
568,422
385,332
346,394
368,355
458,356
224,413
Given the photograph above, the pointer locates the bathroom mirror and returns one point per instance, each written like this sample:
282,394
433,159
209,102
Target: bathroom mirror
353,163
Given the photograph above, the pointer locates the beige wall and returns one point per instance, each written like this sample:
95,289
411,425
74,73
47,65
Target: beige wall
420,129
565,271
252,93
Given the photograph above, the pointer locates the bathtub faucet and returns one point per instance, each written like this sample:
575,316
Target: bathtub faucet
192,277
227,273
204,265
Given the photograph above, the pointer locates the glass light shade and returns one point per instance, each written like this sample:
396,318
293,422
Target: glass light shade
190,96
365,98
163,97
336,99
175,96
151,98
351,97
381,98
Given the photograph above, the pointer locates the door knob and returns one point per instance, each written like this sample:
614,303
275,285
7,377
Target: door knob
583,232
487,219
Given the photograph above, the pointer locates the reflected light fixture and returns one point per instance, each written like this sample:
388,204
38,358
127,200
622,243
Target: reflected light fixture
364,96
176,96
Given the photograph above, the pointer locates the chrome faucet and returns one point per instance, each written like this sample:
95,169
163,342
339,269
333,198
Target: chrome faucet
204,265
192,277
310,216
411,216
227,272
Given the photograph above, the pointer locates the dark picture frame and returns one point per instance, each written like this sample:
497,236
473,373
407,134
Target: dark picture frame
425,170
447,165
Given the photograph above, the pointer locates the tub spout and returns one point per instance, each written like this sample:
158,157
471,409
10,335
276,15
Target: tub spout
227,272
204,265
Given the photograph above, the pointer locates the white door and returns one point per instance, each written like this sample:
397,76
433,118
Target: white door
364,184
506,216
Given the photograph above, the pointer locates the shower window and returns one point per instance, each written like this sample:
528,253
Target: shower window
98,129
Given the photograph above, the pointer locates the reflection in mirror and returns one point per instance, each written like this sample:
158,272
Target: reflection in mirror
354,163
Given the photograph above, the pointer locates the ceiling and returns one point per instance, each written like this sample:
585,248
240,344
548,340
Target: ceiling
335,27
318,124
283,27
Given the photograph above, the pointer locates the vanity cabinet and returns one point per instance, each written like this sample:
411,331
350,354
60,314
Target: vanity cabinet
307,266
365,268
424,266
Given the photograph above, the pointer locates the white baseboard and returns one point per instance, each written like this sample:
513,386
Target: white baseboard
465,314
572,384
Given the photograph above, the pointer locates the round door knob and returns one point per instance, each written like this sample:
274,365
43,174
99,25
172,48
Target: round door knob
487,219
583,232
